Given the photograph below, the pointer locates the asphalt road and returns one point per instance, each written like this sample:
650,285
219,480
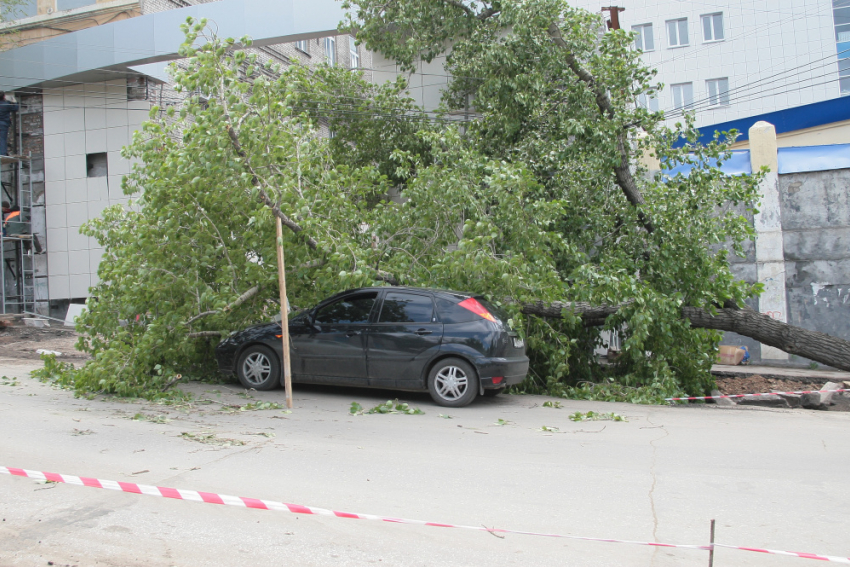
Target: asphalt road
771,478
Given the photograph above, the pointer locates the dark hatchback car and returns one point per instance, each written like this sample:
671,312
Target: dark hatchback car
453,345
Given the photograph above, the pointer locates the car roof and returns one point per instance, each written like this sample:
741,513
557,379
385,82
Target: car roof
439,291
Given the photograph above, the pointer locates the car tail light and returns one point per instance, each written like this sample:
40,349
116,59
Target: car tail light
498,379
473,305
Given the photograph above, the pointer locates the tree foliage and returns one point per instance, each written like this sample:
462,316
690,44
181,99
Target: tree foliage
539,197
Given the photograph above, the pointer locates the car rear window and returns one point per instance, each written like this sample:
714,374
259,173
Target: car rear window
406,308
353,309
450,312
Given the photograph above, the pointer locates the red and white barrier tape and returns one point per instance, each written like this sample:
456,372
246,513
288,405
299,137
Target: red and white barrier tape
212,498
750,395
845,560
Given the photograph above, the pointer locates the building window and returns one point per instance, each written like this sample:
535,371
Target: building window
96,165
841,15
303,46
330,50
712,27
677,33
683,95
648,101
354,59
644,40
844,75
718,92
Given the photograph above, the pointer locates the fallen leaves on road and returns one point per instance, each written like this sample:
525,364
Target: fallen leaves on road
209,438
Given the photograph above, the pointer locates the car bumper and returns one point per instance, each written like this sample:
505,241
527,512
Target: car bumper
510,370
225,355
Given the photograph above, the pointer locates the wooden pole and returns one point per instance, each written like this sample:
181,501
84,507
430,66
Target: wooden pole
284,315
711,550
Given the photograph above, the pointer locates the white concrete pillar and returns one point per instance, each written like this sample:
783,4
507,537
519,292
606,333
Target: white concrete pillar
770,251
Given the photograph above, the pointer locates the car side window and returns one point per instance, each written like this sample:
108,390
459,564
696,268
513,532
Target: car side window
407,308
353,309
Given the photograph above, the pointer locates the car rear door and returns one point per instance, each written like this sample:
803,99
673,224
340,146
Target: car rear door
332,349
404,338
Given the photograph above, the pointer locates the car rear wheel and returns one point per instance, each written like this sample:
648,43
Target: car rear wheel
452,383
258,368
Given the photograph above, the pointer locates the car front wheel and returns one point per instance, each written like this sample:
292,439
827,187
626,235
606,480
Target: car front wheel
453,383
258,368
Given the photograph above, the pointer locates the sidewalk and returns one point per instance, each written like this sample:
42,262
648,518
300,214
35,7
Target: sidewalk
781,372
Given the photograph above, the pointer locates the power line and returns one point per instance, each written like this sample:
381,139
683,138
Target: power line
743,89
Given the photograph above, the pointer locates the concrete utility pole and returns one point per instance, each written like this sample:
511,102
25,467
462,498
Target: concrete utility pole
614,22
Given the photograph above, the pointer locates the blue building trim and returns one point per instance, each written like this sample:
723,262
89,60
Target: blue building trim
788,120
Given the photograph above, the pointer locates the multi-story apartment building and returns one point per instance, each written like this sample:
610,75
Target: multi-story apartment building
728,60
87,73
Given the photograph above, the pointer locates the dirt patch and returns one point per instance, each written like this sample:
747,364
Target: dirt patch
22,342
757,384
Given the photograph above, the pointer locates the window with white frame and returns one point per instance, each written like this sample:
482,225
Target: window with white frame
354,55
303,46
677,32
648,101
718,92
683,95
644,40
330,50
712,27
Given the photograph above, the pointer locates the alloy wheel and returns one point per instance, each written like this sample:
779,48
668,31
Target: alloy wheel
451,382
256,368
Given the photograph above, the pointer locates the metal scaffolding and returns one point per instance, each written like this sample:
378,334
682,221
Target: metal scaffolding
17,273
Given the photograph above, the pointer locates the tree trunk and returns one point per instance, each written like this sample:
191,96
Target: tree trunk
813,345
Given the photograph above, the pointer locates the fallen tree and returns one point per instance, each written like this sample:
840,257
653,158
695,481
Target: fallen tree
814,345
537,198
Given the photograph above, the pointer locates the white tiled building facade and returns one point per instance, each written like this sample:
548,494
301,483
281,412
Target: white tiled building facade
85,127
731,59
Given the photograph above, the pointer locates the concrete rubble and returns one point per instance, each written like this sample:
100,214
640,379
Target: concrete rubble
722,402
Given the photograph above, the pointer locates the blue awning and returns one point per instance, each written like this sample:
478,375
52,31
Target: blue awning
737,164
814,158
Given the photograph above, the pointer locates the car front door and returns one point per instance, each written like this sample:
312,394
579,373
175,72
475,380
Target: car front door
333,348
405,336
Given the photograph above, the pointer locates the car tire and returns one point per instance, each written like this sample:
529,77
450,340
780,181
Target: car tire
453,383
493,393
258,368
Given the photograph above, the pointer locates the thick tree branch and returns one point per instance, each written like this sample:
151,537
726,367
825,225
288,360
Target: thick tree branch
202,334
386,277
813,345
622,171
236,303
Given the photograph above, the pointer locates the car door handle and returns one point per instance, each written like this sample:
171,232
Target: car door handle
351,333
421,332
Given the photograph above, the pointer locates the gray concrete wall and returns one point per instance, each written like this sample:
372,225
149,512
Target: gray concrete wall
801,252
816,234
815,220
